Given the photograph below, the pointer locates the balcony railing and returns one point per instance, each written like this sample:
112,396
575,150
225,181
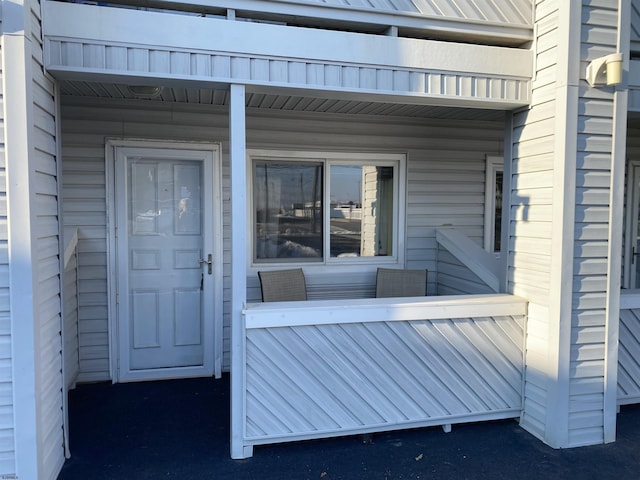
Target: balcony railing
329,368
629,348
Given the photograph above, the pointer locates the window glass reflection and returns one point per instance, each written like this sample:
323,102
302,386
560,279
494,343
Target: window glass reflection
361,211
288,211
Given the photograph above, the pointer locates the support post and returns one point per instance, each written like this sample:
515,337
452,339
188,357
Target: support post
616,227
18,125
237,154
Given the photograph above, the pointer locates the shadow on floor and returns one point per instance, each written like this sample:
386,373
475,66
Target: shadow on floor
179,429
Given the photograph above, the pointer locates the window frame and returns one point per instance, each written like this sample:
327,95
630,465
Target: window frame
494,164
328,158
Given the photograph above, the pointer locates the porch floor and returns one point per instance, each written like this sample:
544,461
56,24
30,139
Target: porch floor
180,429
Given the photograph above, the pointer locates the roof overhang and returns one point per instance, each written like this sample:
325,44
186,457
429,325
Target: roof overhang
138,47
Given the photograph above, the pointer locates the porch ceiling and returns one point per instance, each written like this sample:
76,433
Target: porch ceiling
292,103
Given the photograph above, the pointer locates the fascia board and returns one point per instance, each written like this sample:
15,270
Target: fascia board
132,27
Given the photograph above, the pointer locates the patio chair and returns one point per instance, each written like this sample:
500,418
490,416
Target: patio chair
392,282
283,285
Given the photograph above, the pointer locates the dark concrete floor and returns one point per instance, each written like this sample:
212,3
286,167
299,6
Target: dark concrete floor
179,429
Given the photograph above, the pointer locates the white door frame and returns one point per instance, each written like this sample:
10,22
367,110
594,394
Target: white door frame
632,200
214,326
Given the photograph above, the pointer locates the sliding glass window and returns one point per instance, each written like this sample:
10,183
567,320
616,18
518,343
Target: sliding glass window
336,209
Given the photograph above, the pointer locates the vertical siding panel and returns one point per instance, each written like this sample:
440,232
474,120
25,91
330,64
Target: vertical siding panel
7,449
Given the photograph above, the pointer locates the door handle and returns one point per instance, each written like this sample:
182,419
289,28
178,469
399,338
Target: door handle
209,262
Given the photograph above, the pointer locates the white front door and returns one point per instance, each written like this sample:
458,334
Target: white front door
166,279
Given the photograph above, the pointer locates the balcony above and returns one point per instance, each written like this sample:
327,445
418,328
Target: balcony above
177,48
489,22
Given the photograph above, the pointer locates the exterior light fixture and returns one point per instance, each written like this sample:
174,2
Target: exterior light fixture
144,91
605,70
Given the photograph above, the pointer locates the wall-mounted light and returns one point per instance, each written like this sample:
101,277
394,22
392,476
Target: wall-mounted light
605,70
144,91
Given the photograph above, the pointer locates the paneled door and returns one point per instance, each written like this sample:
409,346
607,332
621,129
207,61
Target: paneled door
165,260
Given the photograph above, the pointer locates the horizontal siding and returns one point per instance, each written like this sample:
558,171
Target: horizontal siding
7,439
48,275
534,170
593,197
530,243
442,157
454,278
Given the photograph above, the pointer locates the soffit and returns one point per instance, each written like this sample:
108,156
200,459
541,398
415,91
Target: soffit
287,103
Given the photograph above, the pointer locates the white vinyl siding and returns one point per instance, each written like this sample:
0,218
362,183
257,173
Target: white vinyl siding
455,278
463,74
84,205
529,246
635,25
70,311
543,252
593,197
31,329
7,447
47,269
445,162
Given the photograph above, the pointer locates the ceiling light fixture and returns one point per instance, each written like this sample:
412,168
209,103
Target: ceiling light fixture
144,91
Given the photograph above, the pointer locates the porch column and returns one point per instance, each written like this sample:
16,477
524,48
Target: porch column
18,132
566,225
237,154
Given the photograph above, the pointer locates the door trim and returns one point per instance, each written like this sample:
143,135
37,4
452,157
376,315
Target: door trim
632,206
213,359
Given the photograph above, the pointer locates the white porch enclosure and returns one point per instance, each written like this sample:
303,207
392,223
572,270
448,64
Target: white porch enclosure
629,346
320,369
